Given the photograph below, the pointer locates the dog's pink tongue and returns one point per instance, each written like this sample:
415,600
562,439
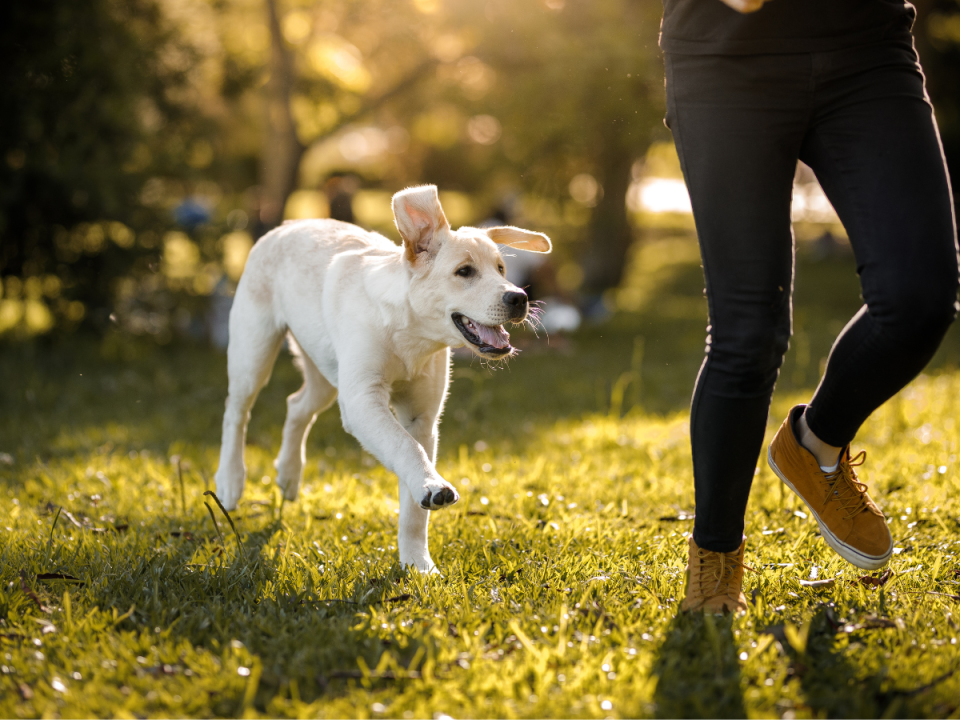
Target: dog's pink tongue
497,337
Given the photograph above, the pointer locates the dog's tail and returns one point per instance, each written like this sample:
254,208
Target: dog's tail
296,351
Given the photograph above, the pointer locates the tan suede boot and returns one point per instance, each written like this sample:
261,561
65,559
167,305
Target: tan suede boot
715,581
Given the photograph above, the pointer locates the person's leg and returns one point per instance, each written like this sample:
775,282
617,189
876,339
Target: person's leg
738,123
874,146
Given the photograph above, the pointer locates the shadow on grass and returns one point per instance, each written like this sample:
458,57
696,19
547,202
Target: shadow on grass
697,669
829,681
834,686
239,604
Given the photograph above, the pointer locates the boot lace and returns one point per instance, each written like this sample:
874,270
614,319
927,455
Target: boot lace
721,567
846,487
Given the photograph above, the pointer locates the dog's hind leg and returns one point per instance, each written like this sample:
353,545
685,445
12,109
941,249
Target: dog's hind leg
303,407
254,343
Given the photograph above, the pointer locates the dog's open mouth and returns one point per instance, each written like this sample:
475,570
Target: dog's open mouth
494,341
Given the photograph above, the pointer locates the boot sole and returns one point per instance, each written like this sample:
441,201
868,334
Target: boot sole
847,552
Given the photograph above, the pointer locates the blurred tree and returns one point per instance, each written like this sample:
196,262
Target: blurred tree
582,98
937,32
329,65
92,92
578,91
121,111
575,88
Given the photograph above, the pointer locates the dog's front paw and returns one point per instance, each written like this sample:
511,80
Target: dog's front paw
424,565
437,497
230,482
229,495
289,486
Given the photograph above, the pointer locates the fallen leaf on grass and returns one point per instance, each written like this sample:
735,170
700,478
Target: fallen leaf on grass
83,522
677,518
871,622
483,513
69,516
30,593
870,581
510,575
59,576
397,598
818,583
186,534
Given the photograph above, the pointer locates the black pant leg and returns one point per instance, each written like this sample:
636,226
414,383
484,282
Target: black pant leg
738,123
874,145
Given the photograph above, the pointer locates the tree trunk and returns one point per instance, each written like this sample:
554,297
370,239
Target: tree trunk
282,151
609,234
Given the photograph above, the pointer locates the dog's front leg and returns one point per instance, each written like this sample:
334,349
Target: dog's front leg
418,407
366,415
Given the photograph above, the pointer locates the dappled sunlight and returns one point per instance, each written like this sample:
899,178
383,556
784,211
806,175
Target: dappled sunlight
339,60
561,573
659,195
152,143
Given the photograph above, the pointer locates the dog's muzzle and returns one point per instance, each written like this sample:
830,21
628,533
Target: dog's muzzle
492,341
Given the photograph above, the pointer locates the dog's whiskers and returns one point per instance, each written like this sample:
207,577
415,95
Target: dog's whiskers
533,319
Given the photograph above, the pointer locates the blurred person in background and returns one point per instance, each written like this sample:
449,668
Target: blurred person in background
340,189
753,87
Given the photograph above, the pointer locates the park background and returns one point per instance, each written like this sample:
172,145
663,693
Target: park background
146,144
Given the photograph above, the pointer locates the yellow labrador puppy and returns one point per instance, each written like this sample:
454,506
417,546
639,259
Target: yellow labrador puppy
373,322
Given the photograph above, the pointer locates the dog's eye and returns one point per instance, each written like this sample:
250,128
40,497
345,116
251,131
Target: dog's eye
501,269
466,271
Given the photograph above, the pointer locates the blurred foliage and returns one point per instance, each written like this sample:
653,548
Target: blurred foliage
146,134
152,141
95,98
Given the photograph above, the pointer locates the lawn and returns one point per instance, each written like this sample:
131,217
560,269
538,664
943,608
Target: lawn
126,591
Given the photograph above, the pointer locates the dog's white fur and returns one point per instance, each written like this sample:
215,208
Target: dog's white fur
374,322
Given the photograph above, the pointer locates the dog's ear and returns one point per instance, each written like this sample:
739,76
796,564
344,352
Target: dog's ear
520,239
419,219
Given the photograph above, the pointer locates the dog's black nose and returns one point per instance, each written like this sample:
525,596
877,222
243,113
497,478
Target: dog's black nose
516,303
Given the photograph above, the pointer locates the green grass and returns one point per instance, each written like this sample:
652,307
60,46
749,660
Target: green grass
562,565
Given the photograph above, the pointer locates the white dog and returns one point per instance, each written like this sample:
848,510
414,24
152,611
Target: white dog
374,322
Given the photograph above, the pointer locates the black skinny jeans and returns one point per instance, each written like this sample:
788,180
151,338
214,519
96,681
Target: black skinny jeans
861,119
